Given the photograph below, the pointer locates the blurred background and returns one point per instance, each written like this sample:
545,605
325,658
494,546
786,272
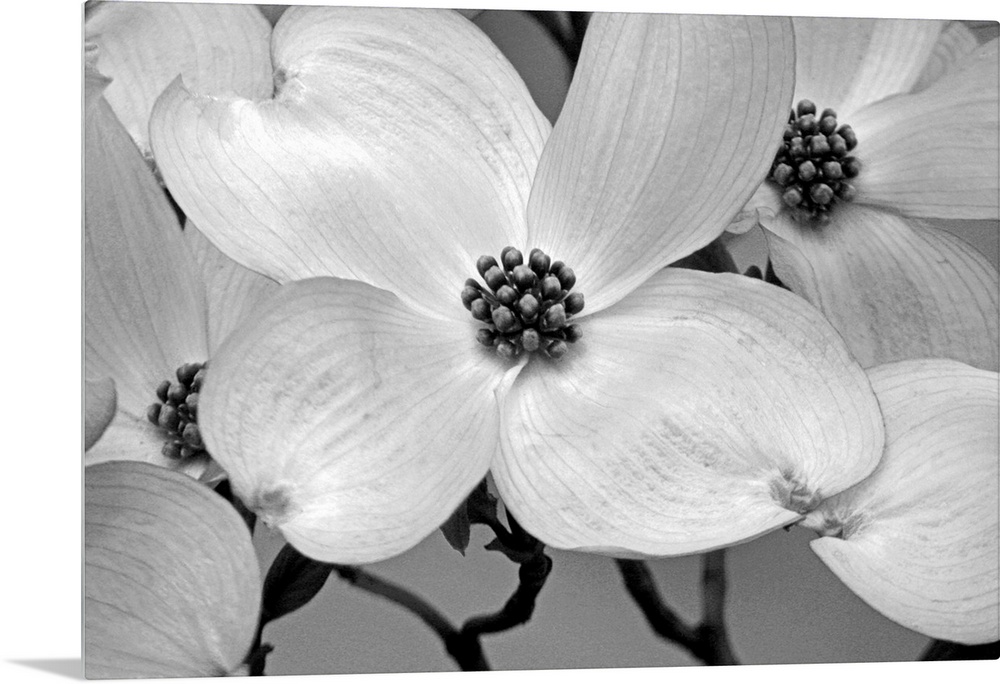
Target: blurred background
784,605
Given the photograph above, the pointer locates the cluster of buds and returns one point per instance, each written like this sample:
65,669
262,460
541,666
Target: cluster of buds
177,412
813,165
525,306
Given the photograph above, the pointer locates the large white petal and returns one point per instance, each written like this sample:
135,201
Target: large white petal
234,292
701,411
145,45
400,147
936,153
918,538
350,422
848,63
895,288
171,580
144,302
669,126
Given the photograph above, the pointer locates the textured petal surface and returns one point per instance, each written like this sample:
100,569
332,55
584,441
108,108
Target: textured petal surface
895,288
848,63
936,153
171,581
348,421
668,128
99,401
143,297
918,539
701,411
400,147
145,45
954,43
234,292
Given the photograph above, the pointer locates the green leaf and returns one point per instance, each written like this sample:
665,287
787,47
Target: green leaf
291,583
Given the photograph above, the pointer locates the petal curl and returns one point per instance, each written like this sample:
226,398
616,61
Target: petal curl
233,292
144,46
936,153
171,580
100,402
849,63
143,297
701,411
668,128
954,43
349,421
400,147
895,288
918,538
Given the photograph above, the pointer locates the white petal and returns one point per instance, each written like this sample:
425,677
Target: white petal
848,63
955,42
701,411
234,292
399,148
918,539
144,46
144,302
762,207
936,153
669,126
895,288
171,581
100,402
350,422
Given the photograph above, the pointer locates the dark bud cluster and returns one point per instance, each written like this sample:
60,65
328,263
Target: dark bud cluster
177,412
813,165
525,306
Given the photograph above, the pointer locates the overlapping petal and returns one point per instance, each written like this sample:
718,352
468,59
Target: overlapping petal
100,403
667,129
848,63
895,288
936,153
400,146
348,421
171,581
954,43
145,45
144,300
918,539
700,411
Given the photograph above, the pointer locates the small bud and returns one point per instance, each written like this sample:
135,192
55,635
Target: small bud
554,318
485,337
827,125
199,378
169,417
192,404
832,170
506,350
551,287
507,295
495,278
790,132
523,278
511,257
530,340
805,107
567,278
504,319
557,349
539,262
529,307
783,174
480,310
818,146
485,263
187,451
851,166
469,295
573,333
838,146
171,450
846,192
792,196
162,389
828,112
556,267
821,193
177,394
153,413
573,303
472,282
192,435
807,171
796,148
186,373
847,133
807,124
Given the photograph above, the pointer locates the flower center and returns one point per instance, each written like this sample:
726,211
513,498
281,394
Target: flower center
177,412
526,307
813,165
